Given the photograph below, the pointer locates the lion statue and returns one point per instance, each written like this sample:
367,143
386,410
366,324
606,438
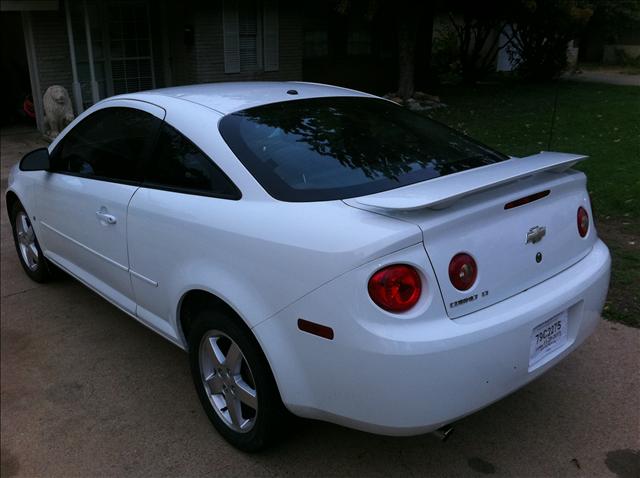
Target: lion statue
58,112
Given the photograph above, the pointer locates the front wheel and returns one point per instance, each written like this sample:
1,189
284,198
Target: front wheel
234,382
29,252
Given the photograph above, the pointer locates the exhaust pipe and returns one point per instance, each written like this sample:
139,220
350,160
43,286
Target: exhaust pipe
443,433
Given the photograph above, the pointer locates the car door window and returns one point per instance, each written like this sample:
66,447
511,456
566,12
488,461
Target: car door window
178,164
110,144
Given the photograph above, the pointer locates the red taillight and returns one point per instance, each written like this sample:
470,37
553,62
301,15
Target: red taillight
583,221
462,271
395,288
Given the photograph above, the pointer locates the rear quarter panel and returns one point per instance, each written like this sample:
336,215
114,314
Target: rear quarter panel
256,255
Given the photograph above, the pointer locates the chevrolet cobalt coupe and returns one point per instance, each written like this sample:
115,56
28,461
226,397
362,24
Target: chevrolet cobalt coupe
318,251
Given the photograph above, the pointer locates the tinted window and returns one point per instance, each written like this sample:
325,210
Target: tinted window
109,144
179,164
335,148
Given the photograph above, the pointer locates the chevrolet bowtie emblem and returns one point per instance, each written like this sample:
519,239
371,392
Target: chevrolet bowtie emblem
536,234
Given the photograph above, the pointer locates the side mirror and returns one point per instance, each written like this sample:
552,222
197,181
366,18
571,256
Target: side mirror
36,160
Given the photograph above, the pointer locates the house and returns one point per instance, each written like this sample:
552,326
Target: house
96,49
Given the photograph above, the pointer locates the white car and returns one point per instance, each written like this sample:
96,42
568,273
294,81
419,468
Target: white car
318,250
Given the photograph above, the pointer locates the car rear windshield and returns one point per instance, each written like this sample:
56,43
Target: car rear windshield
341,147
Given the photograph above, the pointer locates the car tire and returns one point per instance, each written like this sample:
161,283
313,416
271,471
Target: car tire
225,379
27,246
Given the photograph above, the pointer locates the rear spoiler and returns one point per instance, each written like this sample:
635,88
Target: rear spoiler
441,192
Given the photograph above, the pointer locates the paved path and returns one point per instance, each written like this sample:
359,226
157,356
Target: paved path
610,77
87,391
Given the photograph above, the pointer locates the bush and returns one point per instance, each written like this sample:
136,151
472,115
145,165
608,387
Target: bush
445,59
625,59
540,34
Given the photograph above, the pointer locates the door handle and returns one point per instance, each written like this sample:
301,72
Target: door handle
108,218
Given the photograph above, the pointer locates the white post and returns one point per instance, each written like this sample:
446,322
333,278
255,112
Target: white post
95,95
77,91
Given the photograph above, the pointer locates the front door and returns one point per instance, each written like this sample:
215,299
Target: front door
96,170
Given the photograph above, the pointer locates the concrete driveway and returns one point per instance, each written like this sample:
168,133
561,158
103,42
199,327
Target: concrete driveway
87,391
611,77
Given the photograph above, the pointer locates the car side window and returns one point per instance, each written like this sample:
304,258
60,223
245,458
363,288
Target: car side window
109,144
178,164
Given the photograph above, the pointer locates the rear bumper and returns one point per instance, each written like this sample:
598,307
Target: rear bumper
411,377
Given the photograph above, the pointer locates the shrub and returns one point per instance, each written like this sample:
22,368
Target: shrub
540,34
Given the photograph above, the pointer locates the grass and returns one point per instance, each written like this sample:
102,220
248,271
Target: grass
602,121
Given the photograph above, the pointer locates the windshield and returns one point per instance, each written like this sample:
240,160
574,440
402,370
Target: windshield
341,147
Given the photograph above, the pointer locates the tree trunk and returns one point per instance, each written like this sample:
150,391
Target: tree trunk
424,46
407,28
467,62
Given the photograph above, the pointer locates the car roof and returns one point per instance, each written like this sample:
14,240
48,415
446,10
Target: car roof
235,96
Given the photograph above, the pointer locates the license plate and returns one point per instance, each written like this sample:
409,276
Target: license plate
548,337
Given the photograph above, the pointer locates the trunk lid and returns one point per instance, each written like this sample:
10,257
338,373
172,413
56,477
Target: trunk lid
470,215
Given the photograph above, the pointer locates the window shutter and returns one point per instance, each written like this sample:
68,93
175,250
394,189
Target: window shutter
231,32
248,22
270,35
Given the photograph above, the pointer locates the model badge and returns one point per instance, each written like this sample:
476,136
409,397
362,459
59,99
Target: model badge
471,298
536,234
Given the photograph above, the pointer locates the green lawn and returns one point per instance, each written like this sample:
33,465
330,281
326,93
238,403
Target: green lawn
602,121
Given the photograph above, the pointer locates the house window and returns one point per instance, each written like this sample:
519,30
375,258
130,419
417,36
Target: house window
121,55
130,42
251,35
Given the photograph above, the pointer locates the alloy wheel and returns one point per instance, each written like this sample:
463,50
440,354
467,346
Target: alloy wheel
228,381
27,241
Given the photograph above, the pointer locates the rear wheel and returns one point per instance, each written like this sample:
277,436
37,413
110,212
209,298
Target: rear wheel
27,246
234,382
